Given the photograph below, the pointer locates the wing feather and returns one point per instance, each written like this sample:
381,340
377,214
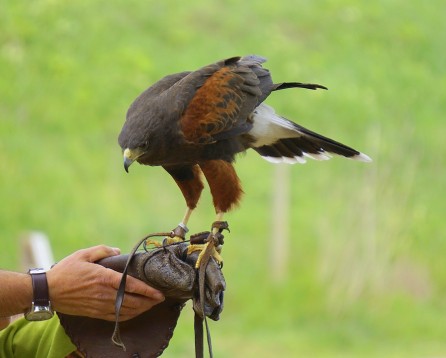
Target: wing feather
221,106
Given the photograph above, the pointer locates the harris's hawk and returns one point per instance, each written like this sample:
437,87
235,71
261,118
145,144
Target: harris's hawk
194,123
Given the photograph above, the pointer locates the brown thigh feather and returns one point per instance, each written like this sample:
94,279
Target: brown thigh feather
188,179
223,182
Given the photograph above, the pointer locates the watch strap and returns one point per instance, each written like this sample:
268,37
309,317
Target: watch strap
41,295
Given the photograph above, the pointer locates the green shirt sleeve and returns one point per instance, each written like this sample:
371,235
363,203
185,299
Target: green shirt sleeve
44,339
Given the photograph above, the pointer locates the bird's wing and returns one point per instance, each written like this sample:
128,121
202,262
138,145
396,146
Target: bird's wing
221,106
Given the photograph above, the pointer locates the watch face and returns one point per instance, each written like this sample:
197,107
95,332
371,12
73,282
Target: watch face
40,313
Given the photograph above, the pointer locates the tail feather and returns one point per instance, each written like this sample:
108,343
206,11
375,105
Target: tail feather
295,150
277,139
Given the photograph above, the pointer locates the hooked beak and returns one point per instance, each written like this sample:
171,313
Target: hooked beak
130,155
127,163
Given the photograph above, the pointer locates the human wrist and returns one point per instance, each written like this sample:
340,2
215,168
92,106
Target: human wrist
28,287
24,300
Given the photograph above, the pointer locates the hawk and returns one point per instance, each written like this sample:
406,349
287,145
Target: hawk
194,124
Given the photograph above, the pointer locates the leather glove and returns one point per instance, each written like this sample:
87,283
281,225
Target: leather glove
171,270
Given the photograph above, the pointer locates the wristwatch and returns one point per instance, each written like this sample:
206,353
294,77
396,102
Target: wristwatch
41,305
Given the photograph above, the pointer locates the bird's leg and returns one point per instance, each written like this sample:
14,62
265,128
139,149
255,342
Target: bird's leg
186,218
188,180
179,233
218,219
218,226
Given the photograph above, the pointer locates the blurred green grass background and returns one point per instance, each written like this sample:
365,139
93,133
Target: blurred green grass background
366,273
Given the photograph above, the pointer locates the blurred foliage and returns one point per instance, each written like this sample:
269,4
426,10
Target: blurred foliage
366,273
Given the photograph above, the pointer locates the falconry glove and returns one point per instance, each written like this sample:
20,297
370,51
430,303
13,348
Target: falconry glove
170,269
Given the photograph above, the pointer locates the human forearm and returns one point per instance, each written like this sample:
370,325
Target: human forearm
15,293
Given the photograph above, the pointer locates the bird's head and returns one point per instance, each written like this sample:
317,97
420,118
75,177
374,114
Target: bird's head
130,155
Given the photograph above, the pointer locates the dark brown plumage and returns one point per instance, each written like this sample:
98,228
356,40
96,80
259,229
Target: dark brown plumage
196,122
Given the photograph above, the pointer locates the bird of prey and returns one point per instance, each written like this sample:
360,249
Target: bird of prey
194,123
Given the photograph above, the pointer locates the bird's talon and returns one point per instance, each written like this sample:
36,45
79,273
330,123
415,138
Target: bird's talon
155,244
169,240
202,248
220,225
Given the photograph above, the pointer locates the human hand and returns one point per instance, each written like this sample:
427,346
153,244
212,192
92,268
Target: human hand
78,286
